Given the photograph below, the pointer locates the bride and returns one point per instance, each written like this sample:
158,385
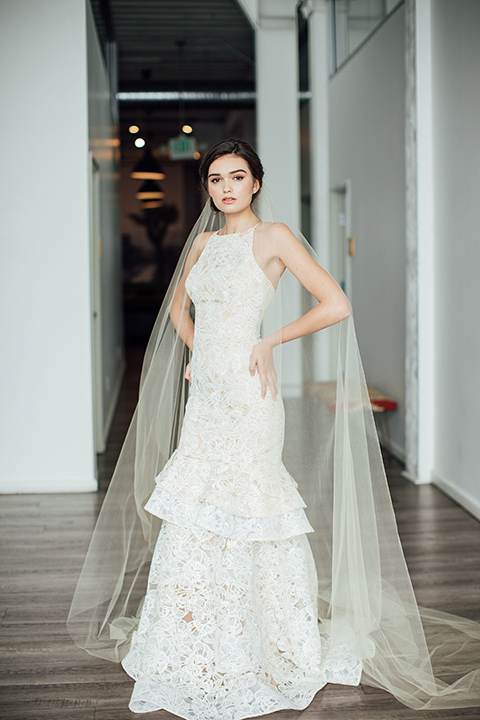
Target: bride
242,511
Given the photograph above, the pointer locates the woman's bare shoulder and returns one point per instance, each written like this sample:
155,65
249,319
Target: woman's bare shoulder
276,229
202,239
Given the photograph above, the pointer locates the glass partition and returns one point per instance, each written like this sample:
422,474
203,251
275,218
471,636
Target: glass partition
352,22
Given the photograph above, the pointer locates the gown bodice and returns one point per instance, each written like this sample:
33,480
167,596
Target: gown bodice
231,293
229,289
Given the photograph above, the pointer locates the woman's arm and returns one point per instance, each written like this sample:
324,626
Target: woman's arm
333,305
180,313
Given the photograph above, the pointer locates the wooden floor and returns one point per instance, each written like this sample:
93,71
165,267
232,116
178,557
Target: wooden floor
43,676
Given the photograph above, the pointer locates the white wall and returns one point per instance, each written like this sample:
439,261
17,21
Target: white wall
46,423
104,144
456,113
367,146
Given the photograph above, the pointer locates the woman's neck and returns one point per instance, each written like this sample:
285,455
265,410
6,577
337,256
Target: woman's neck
239,222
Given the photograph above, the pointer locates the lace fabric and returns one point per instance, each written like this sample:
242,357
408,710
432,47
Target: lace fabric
229,629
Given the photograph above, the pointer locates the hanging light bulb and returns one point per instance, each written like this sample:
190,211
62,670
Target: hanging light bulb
147,168
139,142
187,129
149,204
133,129
150,190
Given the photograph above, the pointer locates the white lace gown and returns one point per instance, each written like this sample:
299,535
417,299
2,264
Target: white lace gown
229,625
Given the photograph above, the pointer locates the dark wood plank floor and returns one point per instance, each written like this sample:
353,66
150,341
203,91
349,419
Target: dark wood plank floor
43,676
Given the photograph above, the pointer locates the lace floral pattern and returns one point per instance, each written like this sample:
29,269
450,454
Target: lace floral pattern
229,627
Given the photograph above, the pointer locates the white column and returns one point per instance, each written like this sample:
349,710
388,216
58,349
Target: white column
278,143
46,428
277,103
316,11
420,364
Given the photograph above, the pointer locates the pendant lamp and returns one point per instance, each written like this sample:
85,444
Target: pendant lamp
150,190
147,168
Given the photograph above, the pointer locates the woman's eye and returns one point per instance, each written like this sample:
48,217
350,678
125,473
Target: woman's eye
239,177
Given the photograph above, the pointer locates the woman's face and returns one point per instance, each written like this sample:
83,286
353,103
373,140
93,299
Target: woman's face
231,183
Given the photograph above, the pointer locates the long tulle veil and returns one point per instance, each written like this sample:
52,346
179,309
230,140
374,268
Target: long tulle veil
367,606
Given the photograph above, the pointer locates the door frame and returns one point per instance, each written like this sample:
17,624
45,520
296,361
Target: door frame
96,306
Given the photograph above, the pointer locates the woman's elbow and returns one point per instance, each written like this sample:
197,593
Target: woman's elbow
347,310
344,309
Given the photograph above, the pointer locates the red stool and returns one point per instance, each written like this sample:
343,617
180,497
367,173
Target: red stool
326,393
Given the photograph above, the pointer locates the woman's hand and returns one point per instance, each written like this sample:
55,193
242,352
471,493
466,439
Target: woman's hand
262,359
187,372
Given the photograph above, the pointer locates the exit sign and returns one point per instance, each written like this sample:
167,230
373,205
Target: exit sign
181,147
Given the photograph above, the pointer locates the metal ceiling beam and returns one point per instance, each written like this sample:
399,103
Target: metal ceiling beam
195,96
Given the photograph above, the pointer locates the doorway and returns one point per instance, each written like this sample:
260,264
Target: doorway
341,249
96,308
341,241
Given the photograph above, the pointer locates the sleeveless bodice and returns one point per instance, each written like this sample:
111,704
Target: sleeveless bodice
230,293
227,473
229,289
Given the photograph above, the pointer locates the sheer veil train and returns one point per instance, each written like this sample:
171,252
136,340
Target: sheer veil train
366,603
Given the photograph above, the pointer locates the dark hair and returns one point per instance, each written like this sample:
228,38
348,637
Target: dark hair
234,146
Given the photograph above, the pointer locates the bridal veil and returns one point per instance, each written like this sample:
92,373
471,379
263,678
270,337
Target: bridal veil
366,603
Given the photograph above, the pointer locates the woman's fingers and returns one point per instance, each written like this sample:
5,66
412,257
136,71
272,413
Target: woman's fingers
266,370
268,379
273,384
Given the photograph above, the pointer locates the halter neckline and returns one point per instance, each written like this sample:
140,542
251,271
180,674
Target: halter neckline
240,232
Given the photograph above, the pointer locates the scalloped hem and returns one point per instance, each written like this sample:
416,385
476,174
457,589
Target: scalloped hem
264,699
209,517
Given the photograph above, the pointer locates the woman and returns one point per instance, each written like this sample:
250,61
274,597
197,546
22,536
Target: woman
227,625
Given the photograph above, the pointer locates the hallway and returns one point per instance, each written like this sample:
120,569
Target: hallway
43,676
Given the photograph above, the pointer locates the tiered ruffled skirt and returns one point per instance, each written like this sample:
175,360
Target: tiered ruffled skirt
229,626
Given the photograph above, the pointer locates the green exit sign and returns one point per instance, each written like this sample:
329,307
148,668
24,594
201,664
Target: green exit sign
181,147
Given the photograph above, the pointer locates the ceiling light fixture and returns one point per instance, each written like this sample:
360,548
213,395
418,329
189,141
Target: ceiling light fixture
150,190
147,168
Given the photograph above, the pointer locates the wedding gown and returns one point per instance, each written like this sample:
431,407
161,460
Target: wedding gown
229,627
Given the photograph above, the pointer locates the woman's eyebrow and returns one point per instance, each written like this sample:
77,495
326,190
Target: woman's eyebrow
230,173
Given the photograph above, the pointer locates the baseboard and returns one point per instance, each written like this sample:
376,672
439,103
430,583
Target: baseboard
463,498
415,480
40,486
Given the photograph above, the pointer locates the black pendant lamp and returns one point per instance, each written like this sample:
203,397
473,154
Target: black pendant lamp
150,190
147,168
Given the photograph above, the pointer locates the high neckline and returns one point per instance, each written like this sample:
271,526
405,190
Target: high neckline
240,232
